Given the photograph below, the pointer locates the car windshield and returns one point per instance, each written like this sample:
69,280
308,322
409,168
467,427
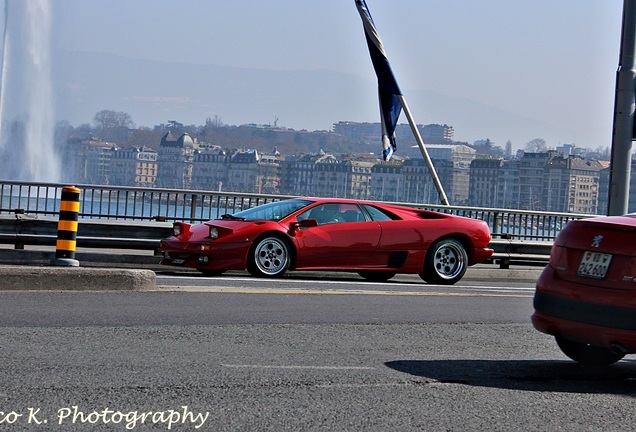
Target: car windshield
273,211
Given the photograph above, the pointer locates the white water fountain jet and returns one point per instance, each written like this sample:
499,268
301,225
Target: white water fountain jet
26,103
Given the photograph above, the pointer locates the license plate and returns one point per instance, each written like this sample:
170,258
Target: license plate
594,265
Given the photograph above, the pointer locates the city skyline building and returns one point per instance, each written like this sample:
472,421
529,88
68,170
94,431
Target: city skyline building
560,181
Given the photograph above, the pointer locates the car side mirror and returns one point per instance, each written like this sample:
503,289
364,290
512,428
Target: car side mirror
305,223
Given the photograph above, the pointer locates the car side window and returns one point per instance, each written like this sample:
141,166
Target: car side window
333,213
377,214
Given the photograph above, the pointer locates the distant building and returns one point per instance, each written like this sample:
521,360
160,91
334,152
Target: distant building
371,132
483,176
134,166
235,171
358,179
175,160
507,194
387,181
210,169
460,154
566,149
358,131
531,173
269,172
326,175
571,184
435,133
329,178
419,186
87,160
298,173
242,172
452,163
98,158
603,188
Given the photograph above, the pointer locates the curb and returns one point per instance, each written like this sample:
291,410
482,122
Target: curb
481,274
22,278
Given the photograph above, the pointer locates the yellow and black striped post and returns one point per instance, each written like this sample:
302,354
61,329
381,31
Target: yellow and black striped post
67,228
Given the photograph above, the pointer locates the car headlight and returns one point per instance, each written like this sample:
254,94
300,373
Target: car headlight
176,229
214,232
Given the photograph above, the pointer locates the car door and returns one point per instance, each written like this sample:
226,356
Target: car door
343,238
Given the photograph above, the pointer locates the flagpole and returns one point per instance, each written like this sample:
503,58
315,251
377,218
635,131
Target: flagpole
390,95
427,159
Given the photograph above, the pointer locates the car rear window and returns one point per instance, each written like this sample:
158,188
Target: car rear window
378,214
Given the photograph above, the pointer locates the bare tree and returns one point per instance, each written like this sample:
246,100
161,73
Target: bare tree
537,145
108,119
213,122
603,152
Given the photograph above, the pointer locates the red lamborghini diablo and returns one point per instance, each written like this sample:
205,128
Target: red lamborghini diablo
375,240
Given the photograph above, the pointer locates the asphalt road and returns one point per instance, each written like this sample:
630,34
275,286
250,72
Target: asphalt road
238,353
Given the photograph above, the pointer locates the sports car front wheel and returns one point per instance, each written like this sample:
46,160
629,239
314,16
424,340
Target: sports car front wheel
446,262
269,257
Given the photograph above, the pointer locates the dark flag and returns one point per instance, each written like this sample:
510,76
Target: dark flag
388,89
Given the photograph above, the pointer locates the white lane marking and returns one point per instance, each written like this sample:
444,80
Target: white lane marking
296,291
257,366
335,282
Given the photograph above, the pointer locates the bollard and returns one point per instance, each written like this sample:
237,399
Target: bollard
67,228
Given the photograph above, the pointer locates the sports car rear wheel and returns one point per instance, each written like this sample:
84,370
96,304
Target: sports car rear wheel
269,257
446,262
588,354
377,276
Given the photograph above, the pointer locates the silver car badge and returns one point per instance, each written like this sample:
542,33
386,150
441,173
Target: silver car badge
597,241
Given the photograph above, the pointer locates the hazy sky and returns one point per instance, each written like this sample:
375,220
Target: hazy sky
553,61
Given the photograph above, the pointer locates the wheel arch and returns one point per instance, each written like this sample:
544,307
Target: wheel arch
461,238
273,233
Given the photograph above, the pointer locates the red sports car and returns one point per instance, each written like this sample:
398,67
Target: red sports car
375,240
586,296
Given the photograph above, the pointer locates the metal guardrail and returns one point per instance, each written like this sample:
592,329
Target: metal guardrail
28,211
125,203
22,230
152,204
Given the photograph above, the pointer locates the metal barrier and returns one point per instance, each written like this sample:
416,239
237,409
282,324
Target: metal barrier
20,230
146,204
124,203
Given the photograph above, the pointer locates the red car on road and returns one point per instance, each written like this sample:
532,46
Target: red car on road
586,296
375,240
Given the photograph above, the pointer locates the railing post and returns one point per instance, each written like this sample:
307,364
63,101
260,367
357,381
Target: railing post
193,208
495,223
67,228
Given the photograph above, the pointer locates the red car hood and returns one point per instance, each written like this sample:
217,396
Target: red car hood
228,229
